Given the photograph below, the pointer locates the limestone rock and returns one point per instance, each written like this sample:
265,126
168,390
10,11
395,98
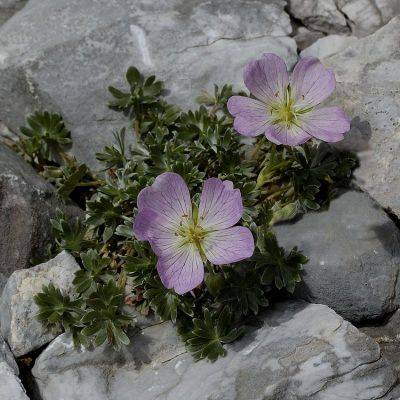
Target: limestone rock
354,257
320,15
328,45
66,63
27,203
10,385
368,86
302,351
18,324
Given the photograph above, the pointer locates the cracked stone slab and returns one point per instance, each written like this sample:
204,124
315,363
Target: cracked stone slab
368,87
18,324
354,257
301,351
66,64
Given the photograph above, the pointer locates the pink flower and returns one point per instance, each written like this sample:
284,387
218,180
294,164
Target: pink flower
284,108
184,238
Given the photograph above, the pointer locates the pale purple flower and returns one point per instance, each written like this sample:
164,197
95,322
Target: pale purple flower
284,108
182,237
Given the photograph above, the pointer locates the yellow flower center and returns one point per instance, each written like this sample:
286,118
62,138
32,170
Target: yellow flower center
285,112
191,232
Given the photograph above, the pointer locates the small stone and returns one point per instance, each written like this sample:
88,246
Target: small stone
18,323
354,257
302,351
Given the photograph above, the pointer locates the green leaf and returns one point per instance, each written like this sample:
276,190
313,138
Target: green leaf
210,333
133,76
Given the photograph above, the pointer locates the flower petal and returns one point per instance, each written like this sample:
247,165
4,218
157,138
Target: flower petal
311,82
168,196
267,78
326,124
251,117
292,136
229,245
182,270
220,205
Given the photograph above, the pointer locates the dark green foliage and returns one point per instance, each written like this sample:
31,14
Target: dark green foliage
277,183
57,309
103,319
94,271
44,137
281,269
69,234
209,333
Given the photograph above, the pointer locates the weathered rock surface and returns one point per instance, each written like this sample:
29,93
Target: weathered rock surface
328,45
354,252
18,324
320,15
10,385
67,63
388,337
368,86
305,37
361,17
27,203
302,351
8,8
366,16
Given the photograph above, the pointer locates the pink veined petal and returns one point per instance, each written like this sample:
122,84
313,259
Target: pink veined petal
182,270
267,78
251,117
293,136
168,196
220,205
311,82
327,124
228,245
144,224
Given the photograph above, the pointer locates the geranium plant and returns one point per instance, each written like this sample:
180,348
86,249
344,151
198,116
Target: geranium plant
180,223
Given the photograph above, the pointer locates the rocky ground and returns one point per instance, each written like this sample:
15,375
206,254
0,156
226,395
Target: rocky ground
61,54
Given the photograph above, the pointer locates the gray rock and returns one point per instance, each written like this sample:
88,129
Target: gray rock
7,357
388,337
66,64
328,45
305,37
8,8
361,17
368,86
302,351
320,15
366,16
18,324
354,252
10,385
27,203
